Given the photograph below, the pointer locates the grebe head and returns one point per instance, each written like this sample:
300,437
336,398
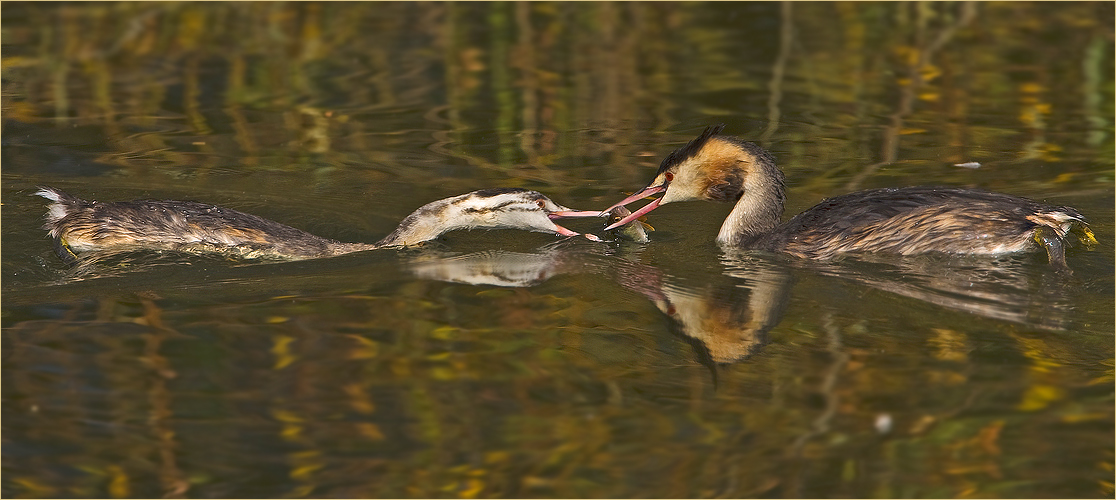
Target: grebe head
714,168
498,208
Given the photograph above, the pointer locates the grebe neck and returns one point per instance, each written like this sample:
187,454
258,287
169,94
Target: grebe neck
760,207
417,227
723,169
496,208
79,226
902,221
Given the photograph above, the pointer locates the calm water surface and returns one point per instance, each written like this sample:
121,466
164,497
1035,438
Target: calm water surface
510,364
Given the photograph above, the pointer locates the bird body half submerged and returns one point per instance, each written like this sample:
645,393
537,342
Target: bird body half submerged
81,226
915,220
904,221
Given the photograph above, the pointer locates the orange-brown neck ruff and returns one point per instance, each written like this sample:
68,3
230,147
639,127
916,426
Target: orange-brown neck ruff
730,170
896,220
690,150
724,169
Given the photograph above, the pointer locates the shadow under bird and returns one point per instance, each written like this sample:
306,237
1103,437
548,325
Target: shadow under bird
79,226
903,221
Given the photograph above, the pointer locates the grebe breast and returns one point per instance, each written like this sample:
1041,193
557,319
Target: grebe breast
903,221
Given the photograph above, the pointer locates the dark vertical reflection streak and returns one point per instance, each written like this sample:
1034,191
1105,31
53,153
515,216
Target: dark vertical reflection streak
786,39
161,402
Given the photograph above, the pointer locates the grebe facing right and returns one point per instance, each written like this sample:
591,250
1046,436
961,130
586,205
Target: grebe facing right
904,221
80,226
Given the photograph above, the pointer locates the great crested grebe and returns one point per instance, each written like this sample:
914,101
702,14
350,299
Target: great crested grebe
905,221
80,226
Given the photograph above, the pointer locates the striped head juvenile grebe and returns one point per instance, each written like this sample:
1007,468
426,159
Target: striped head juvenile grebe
904,221
82,226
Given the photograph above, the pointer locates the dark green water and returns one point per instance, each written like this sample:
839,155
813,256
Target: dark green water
510,364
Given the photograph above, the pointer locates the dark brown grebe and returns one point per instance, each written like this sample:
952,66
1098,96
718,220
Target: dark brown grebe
903,221
80,226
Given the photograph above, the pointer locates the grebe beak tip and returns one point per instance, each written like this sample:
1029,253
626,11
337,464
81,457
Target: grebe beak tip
638,195
635,215
566,232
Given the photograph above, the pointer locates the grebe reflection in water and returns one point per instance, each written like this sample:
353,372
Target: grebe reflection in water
78,225
904,221
724,318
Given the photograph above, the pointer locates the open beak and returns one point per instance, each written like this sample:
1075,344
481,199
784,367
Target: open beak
565,214
647,191
566,232
639,195
635,215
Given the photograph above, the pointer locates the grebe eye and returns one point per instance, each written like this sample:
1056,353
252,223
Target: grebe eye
668,176
541,203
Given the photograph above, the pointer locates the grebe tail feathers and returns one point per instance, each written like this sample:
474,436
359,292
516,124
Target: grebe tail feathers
903,221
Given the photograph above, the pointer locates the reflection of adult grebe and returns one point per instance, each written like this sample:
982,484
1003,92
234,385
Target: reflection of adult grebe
903,221
79,226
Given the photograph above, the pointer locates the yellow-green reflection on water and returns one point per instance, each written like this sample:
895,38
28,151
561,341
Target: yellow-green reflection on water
504,364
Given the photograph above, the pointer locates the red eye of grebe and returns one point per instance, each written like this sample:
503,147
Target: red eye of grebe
668,176
540,203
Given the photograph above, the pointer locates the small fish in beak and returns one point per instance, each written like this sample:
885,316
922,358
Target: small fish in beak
635,230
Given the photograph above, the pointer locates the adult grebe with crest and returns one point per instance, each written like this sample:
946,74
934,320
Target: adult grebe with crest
904,221
81,226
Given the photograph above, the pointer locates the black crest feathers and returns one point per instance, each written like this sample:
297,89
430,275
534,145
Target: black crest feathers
691,149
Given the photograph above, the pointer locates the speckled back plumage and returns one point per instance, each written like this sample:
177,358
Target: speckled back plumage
902,221
78,225
187,226
915,220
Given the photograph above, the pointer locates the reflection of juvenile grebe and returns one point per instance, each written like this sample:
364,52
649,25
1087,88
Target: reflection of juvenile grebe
903,221
80,226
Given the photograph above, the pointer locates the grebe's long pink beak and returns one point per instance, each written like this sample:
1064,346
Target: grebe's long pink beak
564,214
638,195
635,215
572,213
642,193
566,232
